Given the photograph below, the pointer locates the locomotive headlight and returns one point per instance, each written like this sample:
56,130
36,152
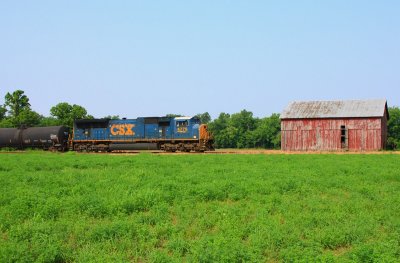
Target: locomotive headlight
194,136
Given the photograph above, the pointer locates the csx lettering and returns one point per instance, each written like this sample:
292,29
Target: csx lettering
122,129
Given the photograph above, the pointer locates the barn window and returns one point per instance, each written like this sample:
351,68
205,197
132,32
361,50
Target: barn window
343,136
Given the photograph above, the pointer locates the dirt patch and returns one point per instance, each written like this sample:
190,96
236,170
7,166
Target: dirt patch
261,151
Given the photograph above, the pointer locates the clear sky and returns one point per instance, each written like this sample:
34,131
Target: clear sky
150,58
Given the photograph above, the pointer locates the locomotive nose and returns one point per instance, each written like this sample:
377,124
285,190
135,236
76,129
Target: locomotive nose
203,132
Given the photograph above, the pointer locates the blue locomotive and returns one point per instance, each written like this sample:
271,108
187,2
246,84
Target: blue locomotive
153,133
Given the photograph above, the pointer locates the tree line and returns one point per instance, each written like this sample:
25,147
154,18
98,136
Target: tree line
243,130
238,130
17,111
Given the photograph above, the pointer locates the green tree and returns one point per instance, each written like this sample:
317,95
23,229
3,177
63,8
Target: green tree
245,124
205,117
66,113
27,117
393,141
49,121
6,123
244,121
19,109
228,138
172,115
233,131
217,128
243,130
112,117
62,112
3,112
220,123
267,133
16,103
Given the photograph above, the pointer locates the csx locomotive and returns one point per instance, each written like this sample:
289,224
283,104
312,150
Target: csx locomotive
104,135
170,134
154,133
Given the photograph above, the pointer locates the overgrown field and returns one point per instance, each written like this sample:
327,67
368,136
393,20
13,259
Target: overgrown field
199,208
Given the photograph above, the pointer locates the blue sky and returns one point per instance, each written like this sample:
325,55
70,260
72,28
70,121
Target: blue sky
149,58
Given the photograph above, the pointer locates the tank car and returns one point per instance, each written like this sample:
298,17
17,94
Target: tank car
153,133
48,138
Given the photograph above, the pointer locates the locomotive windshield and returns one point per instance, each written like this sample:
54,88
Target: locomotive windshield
182,126
181,123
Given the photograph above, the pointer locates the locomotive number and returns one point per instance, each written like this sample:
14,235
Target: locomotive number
122,129
182,129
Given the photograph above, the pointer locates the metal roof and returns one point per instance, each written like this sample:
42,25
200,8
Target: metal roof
335,109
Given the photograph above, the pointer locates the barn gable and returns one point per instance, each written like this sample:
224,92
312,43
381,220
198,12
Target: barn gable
335,109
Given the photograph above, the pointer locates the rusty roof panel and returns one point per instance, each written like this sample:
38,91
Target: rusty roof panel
335,109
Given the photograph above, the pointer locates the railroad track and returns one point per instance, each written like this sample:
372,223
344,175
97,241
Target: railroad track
166,153
230,151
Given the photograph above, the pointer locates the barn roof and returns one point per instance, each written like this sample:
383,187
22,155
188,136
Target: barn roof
335,109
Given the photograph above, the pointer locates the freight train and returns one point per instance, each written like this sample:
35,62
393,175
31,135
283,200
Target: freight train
169,134
47,138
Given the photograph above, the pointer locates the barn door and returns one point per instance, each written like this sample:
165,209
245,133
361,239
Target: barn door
355,139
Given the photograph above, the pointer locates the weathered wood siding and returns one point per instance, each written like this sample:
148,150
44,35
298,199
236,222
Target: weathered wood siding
363,134
384,130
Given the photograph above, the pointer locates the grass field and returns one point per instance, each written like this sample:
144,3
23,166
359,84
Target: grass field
199,208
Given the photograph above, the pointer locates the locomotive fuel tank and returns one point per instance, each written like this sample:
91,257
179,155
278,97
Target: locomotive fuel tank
133,146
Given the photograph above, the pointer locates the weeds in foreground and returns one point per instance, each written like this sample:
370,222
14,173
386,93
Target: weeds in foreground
223,208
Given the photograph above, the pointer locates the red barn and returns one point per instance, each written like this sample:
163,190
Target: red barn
354,125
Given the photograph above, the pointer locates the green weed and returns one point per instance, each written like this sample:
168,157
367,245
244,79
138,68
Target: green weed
199,208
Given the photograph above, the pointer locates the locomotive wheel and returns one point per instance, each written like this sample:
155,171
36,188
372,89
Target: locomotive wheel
78,148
